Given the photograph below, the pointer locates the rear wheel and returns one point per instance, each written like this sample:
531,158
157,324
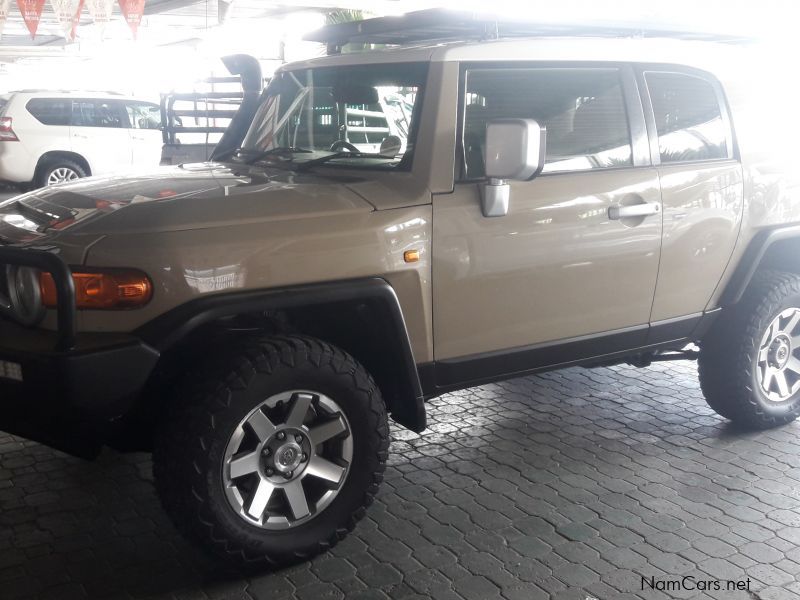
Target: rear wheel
276,457
58,170
750,363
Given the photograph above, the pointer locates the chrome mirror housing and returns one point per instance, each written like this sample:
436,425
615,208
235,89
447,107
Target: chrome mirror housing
514,150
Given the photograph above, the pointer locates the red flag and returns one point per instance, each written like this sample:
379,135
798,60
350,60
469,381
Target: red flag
132,10
76,21
31,13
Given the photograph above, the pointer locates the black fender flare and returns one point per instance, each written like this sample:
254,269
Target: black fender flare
406,401
752,258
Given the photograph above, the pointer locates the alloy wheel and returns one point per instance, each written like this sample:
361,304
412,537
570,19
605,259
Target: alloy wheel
288,459
778,367
62,174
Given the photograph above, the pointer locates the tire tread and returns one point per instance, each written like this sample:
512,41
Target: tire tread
186,434
726,355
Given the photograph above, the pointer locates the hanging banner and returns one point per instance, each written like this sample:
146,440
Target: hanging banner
31,11
5,5
132,11
101,11
68,15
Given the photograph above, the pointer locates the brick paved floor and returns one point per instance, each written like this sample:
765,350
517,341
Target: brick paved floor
567,485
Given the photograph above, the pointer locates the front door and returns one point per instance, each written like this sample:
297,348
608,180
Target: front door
560,266
144,127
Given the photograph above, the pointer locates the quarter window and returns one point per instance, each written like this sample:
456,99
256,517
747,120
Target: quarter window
582,109
50,111
688,118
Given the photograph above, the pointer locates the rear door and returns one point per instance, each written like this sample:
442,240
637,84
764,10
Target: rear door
99,134
144,127
701,185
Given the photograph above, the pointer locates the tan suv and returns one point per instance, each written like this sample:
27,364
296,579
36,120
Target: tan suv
549,202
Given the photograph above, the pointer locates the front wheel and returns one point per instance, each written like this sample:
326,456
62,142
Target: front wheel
750,363
280,455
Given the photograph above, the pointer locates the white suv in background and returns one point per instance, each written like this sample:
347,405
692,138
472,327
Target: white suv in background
48,137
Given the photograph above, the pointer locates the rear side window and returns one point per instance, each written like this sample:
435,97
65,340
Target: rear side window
688,118
583,110
96,113
50,111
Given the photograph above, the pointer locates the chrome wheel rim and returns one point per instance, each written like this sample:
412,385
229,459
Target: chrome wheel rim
778,367
62,174
287,459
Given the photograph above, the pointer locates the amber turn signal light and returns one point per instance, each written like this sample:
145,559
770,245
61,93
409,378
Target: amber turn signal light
411,256
104,290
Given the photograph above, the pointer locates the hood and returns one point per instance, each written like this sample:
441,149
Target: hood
194,196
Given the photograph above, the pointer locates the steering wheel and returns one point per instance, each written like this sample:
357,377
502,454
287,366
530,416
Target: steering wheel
343,145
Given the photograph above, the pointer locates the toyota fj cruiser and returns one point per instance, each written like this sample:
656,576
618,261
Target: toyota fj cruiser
535,202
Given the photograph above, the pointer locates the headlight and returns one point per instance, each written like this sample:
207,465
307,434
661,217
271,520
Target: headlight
102,289
20,294
26,293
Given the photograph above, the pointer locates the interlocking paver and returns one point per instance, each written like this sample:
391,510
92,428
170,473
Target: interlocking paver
714,547
770,575
571,484
761,553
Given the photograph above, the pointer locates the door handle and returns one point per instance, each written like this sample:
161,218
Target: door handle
81,136
646,209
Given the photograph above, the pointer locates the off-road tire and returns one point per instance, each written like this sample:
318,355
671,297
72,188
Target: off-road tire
47,167
190,444
728,354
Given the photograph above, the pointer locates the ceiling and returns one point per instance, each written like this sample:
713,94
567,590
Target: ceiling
181,41
166,22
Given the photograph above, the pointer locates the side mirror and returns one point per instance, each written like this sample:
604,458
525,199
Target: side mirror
514,150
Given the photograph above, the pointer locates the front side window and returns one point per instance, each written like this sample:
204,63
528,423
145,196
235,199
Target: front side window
583,111
50,111
688,118
143,116
358,116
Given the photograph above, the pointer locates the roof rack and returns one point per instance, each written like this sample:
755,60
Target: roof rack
439,24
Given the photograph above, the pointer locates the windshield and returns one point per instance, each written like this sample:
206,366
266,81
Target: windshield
356,116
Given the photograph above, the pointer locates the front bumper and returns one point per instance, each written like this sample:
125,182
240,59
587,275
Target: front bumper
57,387
100,376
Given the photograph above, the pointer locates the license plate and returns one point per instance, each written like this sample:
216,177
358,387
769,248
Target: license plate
10,370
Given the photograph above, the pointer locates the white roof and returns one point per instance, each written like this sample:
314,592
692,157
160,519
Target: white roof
71,94
650,50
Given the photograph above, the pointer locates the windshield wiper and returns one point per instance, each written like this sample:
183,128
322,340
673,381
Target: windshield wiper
277,151
323,159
